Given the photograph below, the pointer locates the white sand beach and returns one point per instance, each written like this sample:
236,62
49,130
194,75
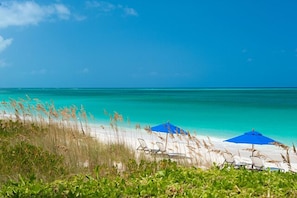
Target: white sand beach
201,151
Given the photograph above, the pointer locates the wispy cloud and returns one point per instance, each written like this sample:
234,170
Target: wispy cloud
15,13
62,11
130,11
4,43
85,70
250,60
107,7
78,17
101,5
3,63
244,51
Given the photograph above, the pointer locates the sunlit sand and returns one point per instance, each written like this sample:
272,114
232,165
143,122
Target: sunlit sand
201,151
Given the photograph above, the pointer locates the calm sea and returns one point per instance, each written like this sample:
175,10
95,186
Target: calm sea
223,113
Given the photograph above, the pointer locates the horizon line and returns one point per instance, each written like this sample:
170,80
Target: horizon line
214,87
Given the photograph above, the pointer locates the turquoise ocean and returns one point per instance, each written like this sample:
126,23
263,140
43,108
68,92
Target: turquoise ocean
221,113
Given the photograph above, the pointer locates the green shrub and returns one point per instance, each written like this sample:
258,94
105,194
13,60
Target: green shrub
29,161
170,180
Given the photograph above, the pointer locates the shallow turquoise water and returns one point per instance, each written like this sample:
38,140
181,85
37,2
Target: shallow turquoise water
222,113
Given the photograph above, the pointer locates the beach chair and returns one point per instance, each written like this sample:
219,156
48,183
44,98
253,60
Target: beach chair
235,161
228,159
259,164
162,151
161,147
143,147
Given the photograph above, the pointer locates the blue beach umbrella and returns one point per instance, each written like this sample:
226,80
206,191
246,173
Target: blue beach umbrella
169,129
251,137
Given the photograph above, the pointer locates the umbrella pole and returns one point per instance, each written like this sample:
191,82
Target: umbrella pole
252,155
166,141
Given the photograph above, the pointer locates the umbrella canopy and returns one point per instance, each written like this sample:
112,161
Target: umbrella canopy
168,128
252,137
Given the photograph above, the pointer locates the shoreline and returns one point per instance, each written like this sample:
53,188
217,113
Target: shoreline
210,149
201,132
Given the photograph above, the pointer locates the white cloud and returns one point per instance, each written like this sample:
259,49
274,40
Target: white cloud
14,13
2,63
62,11
85,70
79,17
250,60
4,43
104,6
101,5
130,11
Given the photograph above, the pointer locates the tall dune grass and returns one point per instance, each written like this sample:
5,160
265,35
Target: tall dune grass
59,137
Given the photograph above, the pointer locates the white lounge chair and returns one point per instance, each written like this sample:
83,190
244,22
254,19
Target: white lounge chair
235,161
259,164
163,151
143,147
228,157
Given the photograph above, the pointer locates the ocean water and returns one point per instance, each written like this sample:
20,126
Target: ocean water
222,113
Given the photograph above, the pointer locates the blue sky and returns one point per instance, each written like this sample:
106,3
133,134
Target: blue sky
148,43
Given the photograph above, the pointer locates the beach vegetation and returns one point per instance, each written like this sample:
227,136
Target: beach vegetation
49,152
